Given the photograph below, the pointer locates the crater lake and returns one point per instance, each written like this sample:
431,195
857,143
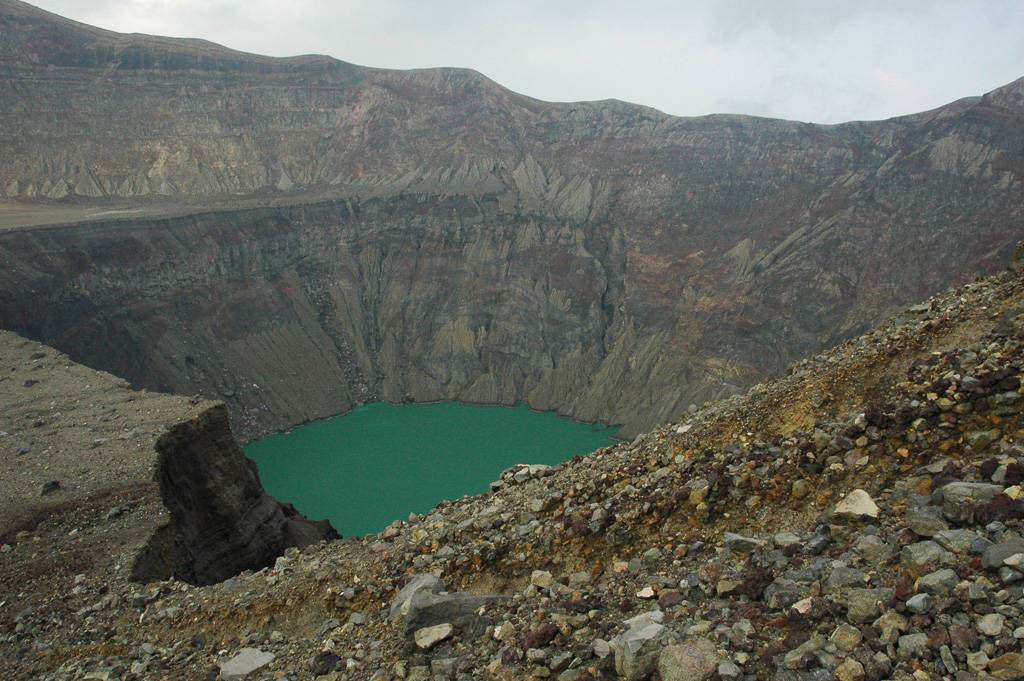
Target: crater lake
379,463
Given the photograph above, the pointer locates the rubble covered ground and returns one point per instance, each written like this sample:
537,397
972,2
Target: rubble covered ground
858,519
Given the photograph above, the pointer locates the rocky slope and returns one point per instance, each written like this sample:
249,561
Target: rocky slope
859,519
430,235
160,476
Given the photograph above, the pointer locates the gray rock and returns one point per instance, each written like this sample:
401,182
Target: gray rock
694,660
809,573
920,604
459,609
428,637
784,539
418,584
990,625
645,618
912,645
939,583
871,548
948,661
443,667
578,579
977,661
812,645
1009,575
560,661
959,499
857,506
925,523
728,670
980,544
638,649
956,541
846,637
979,440
844,576
976,592
996,555
741,544
783,593
914,556
864,605
245,662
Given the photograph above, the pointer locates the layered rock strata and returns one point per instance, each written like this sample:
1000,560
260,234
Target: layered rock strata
429,235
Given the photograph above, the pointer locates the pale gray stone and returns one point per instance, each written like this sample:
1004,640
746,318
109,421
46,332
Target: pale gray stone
693,660
864,605
428,637
857,505
914,556
245,662
938,583
418,584
925,523
991,624
912,645
920,604
637,650
741,544
956,541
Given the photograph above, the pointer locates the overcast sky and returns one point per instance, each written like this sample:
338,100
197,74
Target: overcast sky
824,61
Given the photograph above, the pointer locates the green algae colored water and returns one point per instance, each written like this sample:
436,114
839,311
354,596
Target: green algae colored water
377,464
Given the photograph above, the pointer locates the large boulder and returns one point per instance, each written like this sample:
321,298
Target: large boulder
996,555
638,649
458,609
418,584
959,499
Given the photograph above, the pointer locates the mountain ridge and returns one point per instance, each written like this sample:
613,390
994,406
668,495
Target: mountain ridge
407,205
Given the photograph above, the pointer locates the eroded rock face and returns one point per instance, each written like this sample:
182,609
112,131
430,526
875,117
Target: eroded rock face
602,259
221,519
157,481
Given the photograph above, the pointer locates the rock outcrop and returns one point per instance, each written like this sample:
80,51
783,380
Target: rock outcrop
429,235
221,520
163,475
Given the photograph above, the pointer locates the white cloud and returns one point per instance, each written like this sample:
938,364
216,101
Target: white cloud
899,92
801,59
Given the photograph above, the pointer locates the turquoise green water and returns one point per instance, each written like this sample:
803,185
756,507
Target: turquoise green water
379,463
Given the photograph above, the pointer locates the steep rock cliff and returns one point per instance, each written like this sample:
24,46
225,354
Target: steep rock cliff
364,234
163,472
